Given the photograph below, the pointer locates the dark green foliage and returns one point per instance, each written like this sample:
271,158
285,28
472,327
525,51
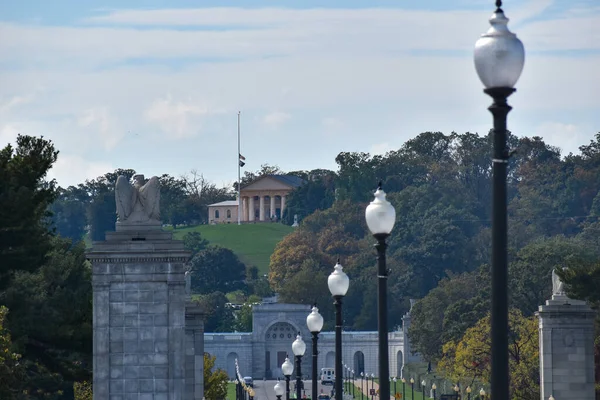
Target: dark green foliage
217,269
25,196
51,318
69,212
219,317
317,193
194,242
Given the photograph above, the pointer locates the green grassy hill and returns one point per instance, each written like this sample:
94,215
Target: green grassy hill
252,243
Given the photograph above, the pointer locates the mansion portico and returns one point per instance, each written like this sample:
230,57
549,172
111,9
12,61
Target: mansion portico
262,200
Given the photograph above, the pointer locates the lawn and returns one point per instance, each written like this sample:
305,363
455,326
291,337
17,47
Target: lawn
230,391
252,243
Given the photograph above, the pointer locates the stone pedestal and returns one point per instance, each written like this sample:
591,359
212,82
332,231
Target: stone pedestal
566,349
194,352
139,315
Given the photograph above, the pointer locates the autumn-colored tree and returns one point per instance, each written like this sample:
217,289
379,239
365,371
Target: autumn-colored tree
215,382
470,357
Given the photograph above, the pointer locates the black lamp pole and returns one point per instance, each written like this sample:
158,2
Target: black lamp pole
338,347
395,381
362,385
382,320
315,355
403,384
287,387
499,326
353,385
372,387
423,390
298,377
412,389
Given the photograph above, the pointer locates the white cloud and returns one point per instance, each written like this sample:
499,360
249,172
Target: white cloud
380,148
358,71
100,121
8,134
177,119
276,119
564,135
72,169
332,124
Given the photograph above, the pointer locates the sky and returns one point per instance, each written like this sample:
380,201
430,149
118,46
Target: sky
157,87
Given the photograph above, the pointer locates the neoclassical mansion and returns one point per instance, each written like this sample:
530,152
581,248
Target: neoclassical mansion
262,200
261,352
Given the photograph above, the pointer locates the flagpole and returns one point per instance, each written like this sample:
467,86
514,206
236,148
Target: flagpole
239,214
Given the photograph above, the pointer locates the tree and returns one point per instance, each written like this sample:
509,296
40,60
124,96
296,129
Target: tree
317,193
215,382
470,357
243,318
438,317
69,212
25,196
172,200
531,270
219,317
217,269
200,193
194,242
51,320
11,370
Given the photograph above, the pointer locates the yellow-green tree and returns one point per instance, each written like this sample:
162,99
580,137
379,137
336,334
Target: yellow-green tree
83,391
10,370
470,357
215,382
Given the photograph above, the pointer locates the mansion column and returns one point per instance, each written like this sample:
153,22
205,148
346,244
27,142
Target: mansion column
272,211
282,205
244,210
261,214
251,208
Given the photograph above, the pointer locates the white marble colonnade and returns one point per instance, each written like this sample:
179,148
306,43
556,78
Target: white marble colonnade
272,200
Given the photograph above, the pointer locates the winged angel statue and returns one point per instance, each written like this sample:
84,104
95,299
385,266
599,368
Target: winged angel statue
137,203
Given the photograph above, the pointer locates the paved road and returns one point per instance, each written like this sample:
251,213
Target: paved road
265,389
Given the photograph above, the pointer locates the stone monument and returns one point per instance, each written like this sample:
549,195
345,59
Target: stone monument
566,346
295,224
139,301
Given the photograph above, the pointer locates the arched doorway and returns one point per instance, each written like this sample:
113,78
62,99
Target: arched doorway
399,362
359,363
330,360
231,357
278,344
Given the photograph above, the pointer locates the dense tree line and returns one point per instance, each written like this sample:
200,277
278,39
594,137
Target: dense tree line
439,250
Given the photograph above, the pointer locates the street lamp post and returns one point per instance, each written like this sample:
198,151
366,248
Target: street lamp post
395,380
412,388
362,385
468,390
499,59
237,389
433,387
373,385
403,385
287,368
423,383
381,217
314,321
298,348
338,283
279,389
353,385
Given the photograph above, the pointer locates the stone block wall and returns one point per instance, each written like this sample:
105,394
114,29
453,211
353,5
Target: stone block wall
139,316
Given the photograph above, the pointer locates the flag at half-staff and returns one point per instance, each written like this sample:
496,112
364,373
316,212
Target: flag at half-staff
242,158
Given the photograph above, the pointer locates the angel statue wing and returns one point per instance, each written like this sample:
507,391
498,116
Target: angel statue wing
150,198
123,197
